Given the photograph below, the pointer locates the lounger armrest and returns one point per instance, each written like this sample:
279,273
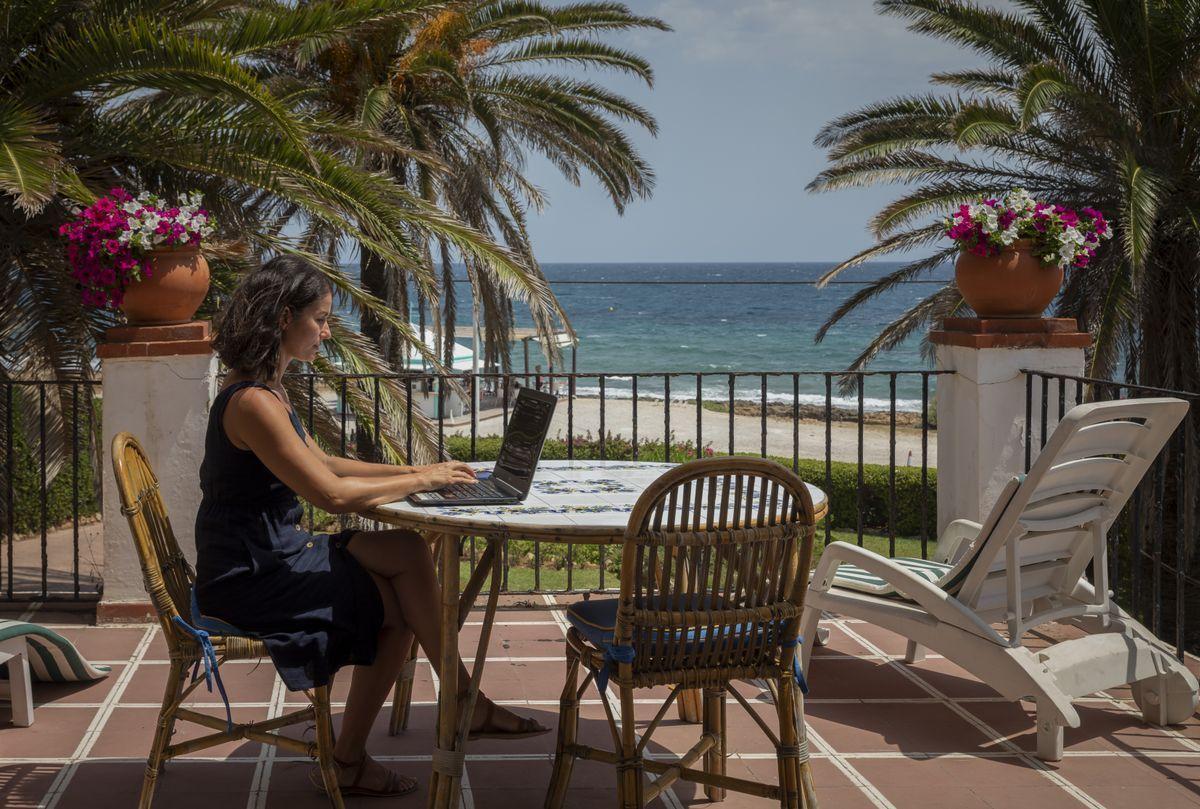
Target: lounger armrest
954,540
934,600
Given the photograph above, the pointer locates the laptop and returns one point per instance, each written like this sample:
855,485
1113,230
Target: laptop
509,481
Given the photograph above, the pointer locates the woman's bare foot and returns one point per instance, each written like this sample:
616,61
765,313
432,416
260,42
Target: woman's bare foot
366,777
492,721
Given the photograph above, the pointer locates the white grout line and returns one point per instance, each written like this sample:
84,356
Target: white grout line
63,779
261,781
1027,758
29,613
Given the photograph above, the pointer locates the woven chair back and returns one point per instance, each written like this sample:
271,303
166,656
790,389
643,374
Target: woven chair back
165,570
714,572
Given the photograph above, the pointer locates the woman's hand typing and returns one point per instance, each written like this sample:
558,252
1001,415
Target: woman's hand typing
435,476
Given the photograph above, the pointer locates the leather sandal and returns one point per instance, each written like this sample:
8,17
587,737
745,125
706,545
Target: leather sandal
527,726
395,785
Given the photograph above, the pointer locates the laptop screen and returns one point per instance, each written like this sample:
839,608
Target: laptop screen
523,438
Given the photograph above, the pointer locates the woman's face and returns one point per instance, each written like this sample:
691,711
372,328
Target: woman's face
303,333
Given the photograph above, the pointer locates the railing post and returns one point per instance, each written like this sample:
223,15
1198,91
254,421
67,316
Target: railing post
158,384
981,407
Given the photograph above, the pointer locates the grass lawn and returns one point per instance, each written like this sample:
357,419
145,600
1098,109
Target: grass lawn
586,572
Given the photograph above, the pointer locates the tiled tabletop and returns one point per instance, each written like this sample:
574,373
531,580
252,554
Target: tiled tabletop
582,494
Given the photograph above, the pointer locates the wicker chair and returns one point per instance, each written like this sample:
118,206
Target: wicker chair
712,586
169,578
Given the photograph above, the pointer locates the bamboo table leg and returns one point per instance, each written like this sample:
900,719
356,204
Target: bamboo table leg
454,718
444,782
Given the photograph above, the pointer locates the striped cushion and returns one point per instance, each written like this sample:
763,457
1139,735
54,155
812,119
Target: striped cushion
52,658
852,577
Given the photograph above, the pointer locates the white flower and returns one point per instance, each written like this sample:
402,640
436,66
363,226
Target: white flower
131,207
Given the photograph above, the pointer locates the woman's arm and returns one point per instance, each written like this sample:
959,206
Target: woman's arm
351,467
257,419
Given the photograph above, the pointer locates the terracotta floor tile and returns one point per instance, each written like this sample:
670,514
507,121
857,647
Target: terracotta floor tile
936,773
515,641
130,731
858,678
244,681
71,693
290,787
55,732
889,642
517,679
1102,727
1125,783
184,784
157,650
23,785
950,679
839,643
959,796
1184,772
900,727
104,642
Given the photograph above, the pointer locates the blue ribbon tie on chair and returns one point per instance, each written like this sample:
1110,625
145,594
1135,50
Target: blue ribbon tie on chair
614,654
796,672
208,656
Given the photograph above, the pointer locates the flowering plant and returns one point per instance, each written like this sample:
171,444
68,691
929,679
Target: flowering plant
1059,235
108,242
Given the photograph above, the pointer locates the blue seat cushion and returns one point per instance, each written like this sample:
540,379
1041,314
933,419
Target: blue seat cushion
213,626
596,618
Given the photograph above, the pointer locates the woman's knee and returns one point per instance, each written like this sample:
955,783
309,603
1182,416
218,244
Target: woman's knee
386,553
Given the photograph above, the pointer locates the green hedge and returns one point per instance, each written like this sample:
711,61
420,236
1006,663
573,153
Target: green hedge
27,486
842,489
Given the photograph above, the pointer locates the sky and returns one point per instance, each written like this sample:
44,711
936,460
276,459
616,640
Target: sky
741,89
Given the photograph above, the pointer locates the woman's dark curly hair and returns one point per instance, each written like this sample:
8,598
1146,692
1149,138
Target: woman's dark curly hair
247,328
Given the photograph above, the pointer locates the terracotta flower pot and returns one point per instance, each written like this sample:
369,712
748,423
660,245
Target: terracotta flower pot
1013,284
172,293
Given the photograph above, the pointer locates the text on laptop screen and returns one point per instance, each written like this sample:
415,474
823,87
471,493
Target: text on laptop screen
523,437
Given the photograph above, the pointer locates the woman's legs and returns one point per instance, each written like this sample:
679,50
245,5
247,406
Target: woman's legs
368,689
371,684
404,560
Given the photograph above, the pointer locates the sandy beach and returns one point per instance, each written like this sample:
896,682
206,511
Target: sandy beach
747,429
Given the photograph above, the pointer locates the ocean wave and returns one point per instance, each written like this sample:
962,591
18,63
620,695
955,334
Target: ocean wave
710,394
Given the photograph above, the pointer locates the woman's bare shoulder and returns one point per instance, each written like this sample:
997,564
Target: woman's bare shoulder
254,408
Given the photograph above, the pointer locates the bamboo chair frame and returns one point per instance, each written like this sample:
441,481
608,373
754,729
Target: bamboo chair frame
716,550
168,578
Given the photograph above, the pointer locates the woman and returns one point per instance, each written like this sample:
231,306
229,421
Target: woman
319,602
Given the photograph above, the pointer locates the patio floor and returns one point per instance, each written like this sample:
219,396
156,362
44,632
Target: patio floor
882,734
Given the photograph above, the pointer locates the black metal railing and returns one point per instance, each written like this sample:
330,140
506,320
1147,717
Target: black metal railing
866,439
877,496
51,492
1153,565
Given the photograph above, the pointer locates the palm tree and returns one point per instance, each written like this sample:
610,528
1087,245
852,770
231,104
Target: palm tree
179,96
1084,102
467,84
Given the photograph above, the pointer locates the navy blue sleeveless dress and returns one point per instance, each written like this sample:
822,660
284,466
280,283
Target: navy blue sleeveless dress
313,605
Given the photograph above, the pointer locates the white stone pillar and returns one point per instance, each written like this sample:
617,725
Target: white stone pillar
158,383
981,406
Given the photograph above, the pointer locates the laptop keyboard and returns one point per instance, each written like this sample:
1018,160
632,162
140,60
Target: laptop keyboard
463,491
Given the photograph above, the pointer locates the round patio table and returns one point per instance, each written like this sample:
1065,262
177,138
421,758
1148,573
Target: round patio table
579,502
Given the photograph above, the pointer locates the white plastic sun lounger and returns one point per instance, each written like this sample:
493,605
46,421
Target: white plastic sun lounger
1023,568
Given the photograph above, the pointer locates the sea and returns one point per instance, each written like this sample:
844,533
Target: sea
709,318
